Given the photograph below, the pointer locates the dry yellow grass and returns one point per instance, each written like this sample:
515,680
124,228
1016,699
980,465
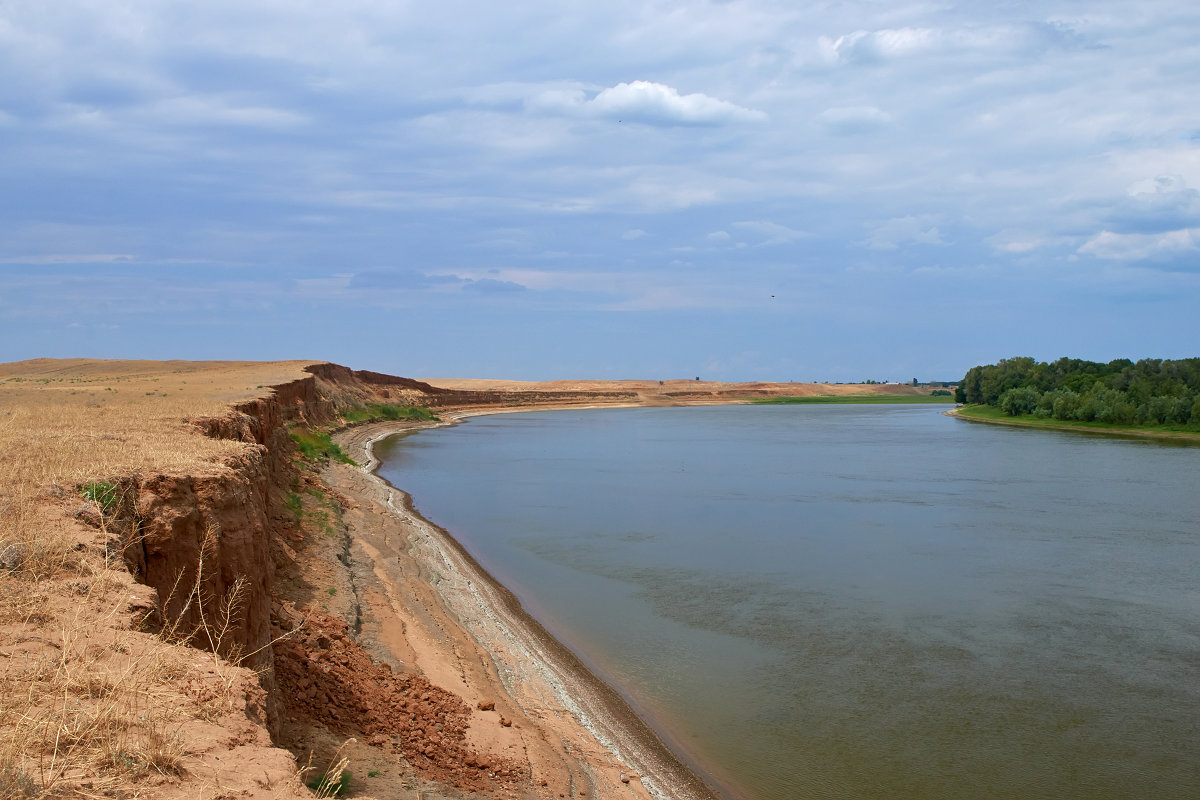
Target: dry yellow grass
86,708
95,709
73,420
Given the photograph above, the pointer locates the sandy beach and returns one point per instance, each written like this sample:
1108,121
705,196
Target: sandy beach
431,608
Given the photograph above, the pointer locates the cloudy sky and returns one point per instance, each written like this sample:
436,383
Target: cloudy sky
733,190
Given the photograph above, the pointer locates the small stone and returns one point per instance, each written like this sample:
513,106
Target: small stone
12,557
490,705
505,723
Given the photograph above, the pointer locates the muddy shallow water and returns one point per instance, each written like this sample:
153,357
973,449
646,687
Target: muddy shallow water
850,601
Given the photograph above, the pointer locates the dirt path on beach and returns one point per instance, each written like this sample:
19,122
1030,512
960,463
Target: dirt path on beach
427,607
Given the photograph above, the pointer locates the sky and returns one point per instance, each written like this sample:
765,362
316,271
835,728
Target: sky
745,190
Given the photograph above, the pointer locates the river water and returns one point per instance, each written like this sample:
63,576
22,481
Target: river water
852,601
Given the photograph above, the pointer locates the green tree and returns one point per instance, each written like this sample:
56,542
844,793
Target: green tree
1019,401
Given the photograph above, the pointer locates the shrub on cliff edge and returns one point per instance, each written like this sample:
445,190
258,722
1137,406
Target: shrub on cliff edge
391,412
315,445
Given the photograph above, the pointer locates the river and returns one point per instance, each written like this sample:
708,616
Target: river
840,601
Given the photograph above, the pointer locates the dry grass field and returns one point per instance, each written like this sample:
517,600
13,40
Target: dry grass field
67,421
88,707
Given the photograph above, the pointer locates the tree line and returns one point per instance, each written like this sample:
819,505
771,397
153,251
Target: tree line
1152,391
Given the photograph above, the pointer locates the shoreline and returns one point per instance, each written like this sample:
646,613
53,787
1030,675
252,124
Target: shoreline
1118,433
553,689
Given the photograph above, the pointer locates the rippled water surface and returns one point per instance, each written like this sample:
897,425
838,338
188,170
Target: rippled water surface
853,601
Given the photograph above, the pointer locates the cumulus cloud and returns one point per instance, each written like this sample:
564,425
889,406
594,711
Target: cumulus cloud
635,233
644,101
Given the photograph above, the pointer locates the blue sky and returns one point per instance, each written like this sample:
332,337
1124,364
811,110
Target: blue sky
732,190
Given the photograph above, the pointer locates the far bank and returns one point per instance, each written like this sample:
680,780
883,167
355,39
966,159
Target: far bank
994,416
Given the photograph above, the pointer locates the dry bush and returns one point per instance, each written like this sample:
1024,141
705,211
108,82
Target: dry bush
217,615
331,781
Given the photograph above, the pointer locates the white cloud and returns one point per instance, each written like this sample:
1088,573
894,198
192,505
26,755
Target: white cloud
1141,246
644,101
885,44
1157,205
905,230
718,236
870,45
636,233
558,100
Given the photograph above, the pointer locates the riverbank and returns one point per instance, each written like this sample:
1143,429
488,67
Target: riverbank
991,416
431,607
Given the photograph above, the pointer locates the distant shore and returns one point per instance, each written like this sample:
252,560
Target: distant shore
965,413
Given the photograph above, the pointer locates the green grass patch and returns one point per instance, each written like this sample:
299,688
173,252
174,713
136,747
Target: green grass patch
385,411
316,445
865,399
103,493
992,414
294,504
